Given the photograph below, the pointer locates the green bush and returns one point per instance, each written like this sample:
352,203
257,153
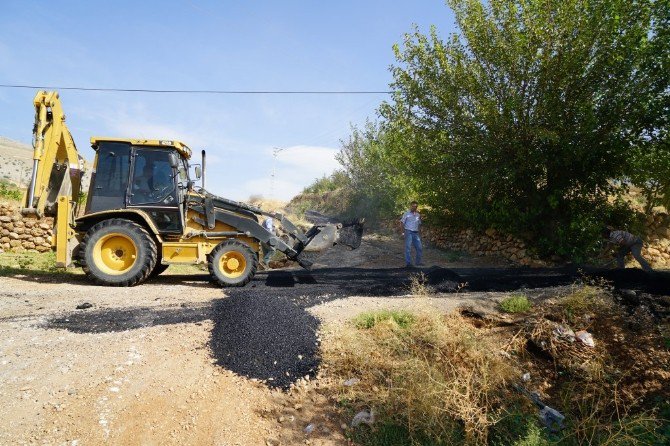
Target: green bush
517,303
325,184
10,192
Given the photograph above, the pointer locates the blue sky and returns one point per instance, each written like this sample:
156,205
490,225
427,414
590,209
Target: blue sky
200,45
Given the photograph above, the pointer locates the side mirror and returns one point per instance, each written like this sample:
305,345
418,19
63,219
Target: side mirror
198,172
174,160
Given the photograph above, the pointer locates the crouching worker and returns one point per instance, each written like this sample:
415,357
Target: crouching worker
626,242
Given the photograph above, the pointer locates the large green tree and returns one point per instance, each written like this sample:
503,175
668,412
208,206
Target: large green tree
529,118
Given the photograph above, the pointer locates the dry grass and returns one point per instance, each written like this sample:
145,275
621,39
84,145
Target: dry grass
592,385
440,380
267,204
436,376
418,285
582,301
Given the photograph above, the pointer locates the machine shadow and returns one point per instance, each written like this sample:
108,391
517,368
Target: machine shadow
195,280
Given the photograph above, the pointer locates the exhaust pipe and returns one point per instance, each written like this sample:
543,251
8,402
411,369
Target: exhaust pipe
203,169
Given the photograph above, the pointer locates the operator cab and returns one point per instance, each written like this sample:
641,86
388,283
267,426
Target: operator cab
140,174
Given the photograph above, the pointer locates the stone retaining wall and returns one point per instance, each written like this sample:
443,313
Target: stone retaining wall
657,243
18,233
493,243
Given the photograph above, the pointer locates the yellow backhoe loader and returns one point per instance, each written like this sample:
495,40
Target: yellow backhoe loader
143,212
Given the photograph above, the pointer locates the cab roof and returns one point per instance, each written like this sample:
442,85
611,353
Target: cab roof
182,148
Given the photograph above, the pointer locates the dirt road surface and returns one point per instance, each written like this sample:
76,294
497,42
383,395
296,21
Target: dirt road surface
180,361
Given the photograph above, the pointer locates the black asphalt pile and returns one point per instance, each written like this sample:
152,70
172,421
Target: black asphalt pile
268,337
444,280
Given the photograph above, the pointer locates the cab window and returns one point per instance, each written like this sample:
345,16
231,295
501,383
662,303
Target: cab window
153,179
110,178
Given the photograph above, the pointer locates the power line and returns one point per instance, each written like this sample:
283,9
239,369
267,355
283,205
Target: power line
144,90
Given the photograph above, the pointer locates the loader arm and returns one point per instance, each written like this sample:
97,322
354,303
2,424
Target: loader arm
321,236
55,184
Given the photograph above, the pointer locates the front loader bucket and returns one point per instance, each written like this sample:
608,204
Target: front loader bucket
330,231
325,238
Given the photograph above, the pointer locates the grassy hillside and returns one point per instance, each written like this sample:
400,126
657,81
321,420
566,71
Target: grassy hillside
16,161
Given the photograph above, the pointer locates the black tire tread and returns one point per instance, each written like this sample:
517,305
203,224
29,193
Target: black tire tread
148,244
227,245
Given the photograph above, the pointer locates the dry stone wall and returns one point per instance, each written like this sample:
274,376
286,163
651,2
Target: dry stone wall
657,243
495,244
18,233
488,243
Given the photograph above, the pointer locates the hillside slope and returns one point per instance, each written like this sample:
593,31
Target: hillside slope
16,160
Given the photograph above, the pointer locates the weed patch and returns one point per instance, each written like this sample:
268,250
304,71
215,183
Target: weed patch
517,303
440,380
400,319
418,285
29,263
10,192
435,378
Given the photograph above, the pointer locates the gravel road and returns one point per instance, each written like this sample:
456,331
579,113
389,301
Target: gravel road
179,361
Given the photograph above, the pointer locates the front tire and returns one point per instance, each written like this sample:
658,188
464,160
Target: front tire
232,263
118,252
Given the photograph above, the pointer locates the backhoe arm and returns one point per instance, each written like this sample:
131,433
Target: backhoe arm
57,166
55,183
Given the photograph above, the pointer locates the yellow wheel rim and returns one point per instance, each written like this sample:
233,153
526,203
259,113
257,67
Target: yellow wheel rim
232,264
115,253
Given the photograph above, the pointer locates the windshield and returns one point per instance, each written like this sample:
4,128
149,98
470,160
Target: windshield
153,180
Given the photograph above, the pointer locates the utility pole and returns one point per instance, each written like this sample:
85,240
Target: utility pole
275,152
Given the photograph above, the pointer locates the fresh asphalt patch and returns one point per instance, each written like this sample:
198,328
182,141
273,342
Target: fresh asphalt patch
264,330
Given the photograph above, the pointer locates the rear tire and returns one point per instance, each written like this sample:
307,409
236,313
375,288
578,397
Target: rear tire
118,252
232,263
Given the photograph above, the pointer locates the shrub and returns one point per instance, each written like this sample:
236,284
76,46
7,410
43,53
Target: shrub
10,192
517,303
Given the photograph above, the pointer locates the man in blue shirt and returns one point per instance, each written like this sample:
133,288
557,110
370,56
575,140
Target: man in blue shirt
410,222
